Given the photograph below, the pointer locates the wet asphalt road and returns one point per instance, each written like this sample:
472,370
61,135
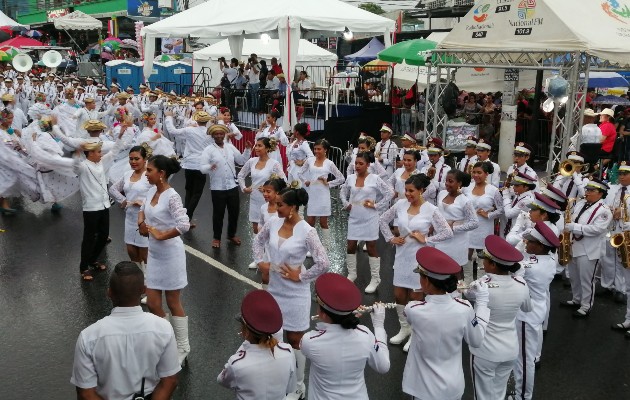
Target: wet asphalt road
44,305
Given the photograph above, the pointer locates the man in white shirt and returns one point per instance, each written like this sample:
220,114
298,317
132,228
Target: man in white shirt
129,353
252,68
386,150
470,156
590,131
218,161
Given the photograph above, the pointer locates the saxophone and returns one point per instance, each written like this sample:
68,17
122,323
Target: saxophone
621,241
564,252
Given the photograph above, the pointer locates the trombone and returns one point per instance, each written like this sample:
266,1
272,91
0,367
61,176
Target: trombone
568,167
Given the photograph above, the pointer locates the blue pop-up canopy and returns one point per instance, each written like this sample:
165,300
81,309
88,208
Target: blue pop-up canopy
368,53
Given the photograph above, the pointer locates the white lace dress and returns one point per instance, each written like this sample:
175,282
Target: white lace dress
294,298
258,177
160,146
319,192
405,261
363,221
126,190
17,177
279,135
464,219
166,264
492,202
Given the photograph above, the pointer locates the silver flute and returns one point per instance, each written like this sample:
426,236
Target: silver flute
363,309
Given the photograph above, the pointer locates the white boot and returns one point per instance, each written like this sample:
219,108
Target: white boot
408,344
253,265
405,329
375,272
299,374
180,326
309,255
143,268
326,237
351,264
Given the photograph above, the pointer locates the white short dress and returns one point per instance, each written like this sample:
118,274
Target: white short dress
278,134
492,202
405,261
294,298
258,177
126,190
363,221
464,219
318,191
166,264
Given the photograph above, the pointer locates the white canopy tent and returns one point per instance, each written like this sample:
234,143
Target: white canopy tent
288,20
309,54
77,20
6,21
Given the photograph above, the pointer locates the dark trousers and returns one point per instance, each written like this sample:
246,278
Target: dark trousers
195,181
95,233
222,199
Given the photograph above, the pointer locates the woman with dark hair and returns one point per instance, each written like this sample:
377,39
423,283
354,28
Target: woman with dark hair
271,193
415,218
397,180
364,196
269,128
289,238
298,151
488,205
367,144
163,219
460,214
492,362
523,186
433,370
335,375
315,177
130,192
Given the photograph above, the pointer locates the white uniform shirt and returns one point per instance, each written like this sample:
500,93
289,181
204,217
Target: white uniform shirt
254,373
196,141
591,134
466,163
525,169
115,353
338,358
441,170
613,201
538,271
93,179
219,163
501,342
571,186
589,231
387,152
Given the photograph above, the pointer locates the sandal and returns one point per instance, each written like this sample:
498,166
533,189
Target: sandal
216,244
87,275
235,240
99,266
620,327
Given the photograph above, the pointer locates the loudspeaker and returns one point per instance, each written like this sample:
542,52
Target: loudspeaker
90,69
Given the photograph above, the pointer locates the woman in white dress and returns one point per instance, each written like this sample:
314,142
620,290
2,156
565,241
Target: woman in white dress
298,153
399,177
417,218
488,203
152,134
268,211
225,116
367,144
458,210
289,238
163,219
269,128
130,192
364,196
315,177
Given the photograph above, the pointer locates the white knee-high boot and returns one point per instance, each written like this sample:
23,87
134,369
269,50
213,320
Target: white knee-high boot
351,264
253,264
299,374
180,326
375,272
405,329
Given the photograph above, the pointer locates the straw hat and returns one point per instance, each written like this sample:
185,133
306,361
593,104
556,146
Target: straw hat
94,125
201,116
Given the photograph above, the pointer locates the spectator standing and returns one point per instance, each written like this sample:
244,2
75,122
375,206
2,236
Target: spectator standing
253,69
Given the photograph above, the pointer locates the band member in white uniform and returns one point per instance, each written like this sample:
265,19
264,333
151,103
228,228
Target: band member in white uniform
523,186
438,169
488,205
573,185
459,212
297,152
367,144
622,226
590,219
408,143
543,209
334,375
612,271
522,152
415,217
269,128
364,196
433,370
386,150
261,367
470,156
483,153
289,238
538,269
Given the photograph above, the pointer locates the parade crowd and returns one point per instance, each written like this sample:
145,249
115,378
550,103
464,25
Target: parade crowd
67,135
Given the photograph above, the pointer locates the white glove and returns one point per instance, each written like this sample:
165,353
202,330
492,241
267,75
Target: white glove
570,226
378,315
481,294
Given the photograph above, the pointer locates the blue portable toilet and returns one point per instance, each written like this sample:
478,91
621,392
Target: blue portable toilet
160,77
125,72
180,74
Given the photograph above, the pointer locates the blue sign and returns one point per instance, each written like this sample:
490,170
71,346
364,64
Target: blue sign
143,8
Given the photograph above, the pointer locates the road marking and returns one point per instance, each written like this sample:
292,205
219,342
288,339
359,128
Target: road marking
221,267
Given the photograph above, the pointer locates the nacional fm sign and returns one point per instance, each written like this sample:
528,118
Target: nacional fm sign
143,8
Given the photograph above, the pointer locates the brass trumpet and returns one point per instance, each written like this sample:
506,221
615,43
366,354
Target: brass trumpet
509,179
568,167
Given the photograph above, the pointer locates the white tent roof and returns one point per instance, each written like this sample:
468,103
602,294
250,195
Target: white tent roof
6,21
213,18
307,51
597,28
77,20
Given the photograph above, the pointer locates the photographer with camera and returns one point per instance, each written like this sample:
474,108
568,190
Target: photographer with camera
230,73
252,68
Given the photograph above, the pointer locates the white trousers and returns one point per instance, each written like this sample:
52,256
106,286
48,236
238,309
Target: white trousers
612,276
524,367
582,275
490,378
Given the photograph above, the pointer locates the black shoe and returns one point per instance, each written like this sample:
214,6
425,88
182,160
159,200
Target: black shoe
537,365
619,297
581,313
569,303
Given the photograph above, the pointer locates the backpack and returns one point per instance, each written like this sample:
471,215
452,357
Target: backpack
448,101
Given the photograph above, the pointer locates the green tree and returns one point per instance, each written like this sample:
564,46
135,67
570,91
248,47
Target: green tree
373,8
